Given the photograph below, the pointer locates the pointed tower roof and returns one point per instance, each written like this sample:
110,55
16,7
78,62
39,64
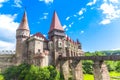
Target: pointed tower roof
24,22
55,25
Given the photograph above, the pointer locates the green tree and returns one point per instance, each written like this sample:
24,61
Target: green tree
117,67
31,72
54,74
87,67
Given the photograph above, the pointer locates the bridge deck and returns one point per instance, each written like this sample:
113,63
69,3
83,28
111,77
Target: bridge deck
99,58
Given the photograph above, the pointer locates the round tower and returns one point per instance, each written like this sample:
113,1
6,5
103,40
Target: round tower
22,34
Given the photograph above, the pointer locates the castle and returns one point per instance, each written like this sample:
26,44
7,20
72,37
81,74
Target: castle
58,50
39,50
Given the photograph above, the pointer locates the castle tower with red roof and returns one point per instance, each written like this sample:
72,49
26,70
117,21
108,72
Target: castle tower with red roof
22,34
56,36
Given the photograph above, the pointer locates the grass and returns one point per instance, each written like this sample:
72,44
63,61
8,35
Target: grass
88,77
1,77
113,75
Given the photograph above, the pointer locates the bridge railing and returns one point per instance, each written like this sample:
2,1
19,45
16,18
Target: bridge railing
99,58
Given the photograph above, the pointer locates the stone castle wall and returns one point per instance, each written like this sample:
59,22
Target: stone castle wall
6,59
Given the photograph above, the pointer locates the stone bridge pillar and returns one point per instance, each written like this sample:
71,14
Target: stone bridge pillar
77,70
97,70
65,69
100,71
105,72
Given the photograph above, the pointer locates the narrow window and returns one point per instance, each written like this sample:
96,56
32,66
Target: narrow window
38,50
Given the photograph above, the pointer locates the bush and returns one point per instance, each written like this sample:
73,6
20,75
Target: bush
31,72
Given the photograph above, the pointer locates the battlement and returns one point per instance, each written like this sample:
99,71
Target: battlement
7,52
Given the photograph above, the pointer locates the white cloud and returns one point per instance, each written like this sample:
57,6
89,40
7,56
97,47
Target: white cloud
44,35
80,18
91,3
45,16
18,3
67,18
110,10
70,25
114,1
0,5
7,29
45,13
64,26
7,45
105,21
81,11
2,1
81,32
116,49
47,1
75,15
66,29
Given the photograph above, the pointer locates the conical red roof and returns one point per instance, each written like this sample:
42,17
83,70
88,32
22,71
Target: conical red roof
24,22
55,25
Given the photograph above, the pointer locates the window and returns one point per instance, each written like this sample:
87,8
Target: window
38,50
60,44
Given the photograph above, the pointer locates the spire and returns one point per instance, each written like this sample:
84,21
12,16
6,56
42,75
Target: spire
24,22
55,25
78,41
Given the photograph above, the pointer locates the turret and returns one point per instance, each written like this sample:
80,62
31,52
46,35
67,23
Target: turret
79,44
56,37
56,28
22,33
23,29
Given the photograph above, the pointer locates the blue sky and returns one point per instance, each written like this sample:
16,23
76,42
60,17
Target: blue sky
96,23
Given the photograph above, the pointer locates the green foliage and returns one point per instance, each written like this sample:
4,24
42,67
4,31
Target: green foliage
117,66
96,53
112,52
87,67
111,65
87,64
13,72
55,75
31,72
37,73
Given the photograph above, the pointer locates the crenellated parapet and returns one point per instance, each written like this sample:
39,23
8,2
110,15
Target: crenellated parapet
5,52
6,59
